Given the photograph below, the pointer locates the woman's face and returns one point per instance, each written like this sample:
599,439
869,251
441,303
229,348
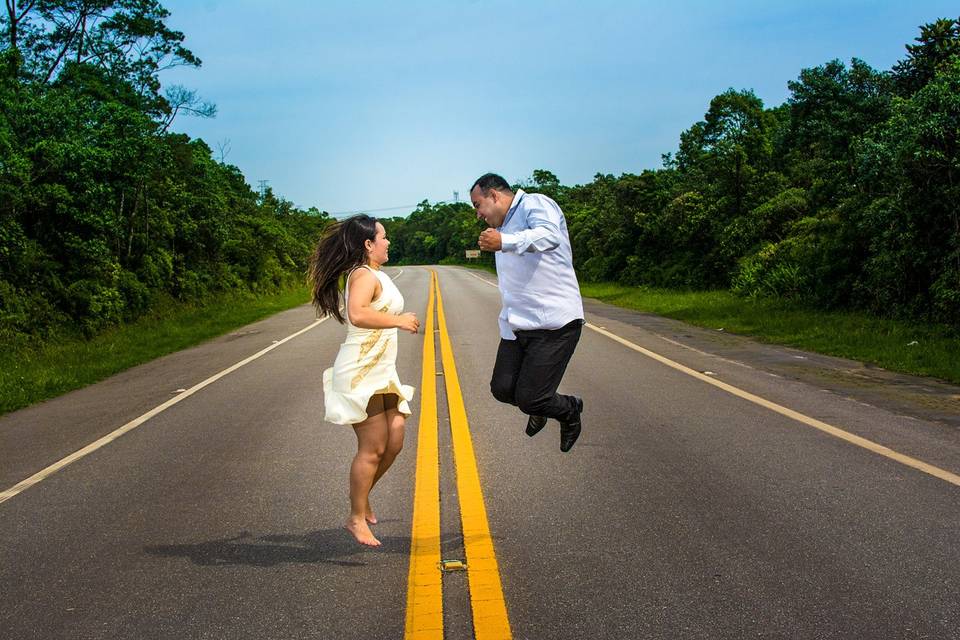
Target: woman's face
377,249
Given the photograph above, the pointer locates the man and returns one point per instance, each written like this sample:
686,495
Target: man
542,312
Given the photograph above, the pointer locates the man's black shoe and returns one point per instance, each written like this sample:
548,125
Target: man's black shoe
534,424
570,431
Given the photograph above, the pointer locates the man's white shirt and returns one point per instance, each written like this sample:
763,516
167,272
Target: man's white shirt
538,285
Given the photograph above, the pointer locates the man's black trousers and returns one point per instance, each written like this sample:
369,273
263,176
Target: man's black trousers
529,369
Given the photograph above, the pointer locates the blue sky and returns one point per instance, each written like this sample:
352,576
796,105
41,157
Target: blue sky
371,105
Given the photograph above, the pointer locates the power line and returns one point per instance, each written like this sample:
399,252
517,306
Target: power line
403,206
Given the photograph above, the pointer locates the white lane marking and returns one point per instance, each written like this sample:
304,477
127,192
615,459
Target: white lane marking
703,353
484,280
879,449
136,422
23,485
869,445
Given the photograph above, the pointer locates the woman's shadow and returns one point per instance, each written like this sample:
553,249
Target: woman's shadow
325,545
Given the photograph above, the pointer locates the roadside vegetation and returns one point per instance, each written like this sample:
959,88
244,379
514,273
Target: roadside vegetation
908,346
120,240
104,213
34,371
830,222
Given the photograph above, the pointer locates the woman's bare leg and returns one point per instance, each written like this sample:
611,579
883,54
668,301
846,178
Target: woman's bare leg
395,429
371,445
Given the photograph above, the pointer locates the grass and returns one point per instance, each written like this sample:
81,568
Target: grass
905,346
30,373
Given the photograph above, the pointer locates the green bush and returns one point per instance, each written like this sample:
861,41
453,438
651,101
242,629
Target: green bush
94,306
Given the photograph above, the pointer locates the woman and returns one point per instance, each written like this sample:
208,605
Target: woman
362,388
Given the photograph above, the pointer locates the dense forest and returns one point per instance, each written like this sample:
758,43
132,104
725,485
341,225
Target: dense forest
103,211
847,195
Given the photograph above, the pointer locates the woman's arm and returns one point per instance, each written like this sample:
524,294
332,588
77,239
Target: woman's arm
363,287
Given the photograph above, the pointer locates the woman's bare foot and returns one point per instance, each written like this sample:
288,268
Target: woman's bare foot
369,515
361,532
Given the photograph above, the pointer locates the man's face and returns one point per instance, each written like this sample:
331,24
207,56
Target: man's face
491,208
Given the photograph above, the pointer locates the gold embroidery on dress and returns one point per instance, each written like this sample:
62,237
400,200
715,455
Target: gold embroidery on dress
370,365
369,343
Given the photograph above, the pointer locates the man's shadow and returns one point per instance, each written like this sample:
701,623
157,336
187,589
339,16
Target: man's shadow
325,545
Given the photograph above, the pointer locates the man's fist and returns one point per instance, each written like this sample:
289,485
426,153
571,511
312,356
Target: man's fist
490,240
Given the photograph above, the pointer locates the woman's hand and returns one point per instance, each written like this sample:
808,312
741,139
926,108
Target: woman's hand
408,322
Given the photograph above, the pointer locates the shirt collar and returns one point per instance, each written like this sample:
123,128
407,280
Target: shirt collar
513,207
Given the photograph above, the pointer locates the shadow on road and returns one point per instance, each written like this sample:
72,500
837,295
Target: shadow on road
325,545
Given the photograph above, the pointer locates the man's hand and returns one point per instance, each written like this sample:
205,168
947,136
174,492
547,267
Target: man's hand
490,240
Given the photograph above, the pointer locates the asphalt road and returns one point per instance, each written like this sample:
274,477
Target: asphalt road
684,511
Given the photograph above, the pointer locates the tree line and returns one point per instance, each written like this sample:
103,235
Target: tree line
103,211
845,196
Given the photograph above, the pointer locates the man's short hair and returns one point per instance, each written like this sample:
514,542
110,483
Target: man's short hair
491,181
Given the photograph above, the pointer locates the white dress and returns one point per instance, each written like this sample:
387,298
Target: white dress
366,364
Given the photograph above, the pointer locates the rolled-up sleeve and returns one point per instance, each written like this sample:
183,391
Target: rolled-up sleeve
542,235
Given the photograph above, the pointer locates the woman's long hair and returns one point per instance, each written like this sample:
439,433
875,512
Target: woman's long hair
340,250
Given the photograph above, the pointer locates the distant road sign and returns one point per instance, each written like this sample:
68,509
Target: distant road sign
473,253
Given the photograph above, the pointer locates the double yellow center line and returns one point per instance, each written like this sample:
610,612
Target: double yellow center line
425,584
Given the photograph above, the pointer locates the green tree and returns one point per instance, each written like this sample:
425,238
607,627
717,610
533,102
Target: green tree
911,173
102,211
937,44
